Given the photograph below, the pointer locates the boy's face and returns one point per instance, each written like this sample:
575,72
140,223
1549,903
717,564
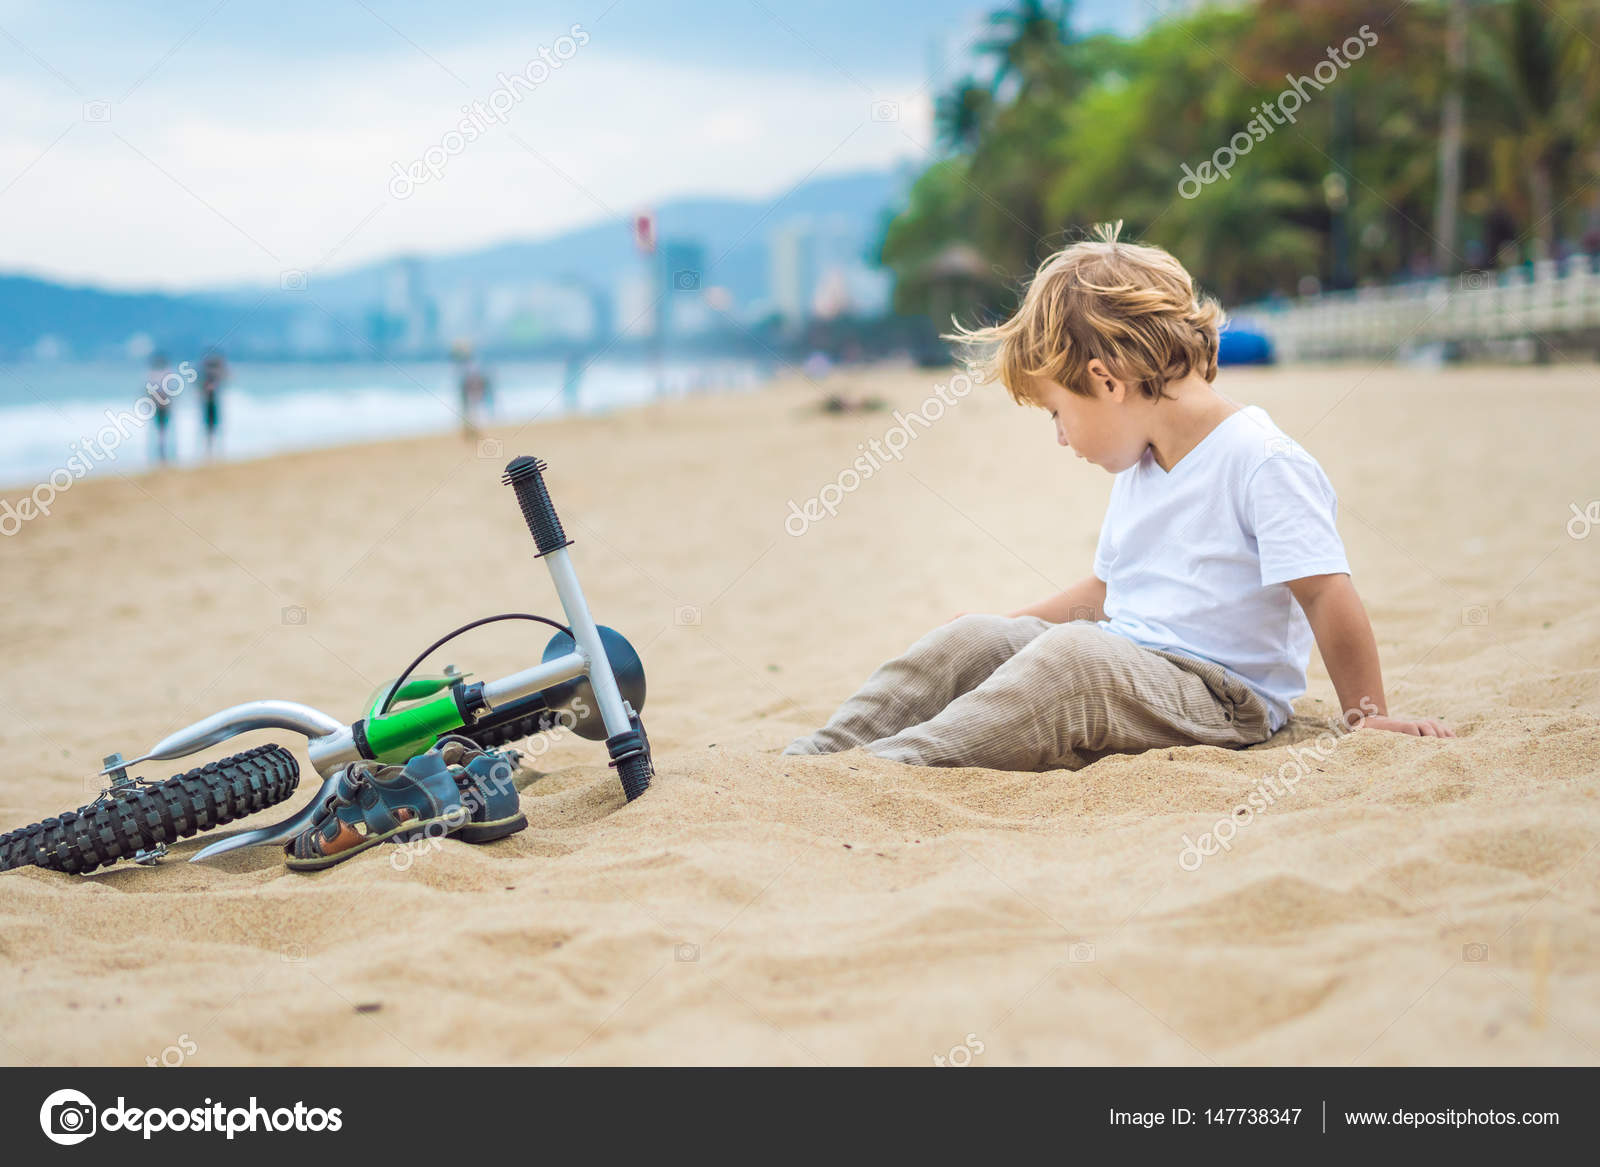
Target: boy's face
1105,428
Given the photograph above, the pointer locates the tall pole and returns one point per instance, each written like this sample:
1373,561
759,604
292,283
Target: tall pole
644,238
659,342
1336,190
1451,130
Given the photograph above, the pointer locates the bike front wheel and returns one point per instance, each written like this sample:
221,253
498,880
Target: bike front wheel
136,818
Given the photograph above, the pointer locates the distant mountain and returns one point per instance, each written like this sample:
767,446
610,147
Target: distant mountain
37,316
734,237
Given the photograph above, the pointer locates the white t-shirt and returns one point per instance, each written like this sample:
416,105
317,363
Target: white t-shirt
1196,561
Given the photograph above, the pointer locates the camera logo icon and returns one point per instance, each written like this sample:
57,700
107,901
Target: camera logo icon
1474,953
686,281
491,450
1475,280
292,280
97,111
1475,615
886,111
67,1117
294,616
686,953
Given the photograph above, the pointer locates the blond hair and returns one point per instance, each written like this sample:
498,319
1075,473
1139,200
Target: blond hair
1132,307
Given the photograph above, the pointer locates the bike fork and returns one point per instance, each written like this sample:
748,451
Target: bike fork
625,740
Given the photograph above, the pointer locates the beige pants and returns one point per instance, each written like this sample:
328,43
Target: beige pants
1020,693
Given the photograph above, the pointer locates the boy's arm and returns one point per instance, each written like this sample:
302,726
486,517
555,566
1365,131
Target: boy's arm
1344,637
1084,600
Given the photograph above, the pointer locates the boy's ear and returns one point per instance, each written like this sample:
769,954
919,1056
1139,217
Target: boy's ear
1100,377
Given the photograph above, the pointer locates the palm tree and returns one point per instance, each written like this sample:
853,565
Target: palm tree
1451,134
1533,78
1026,42
962,116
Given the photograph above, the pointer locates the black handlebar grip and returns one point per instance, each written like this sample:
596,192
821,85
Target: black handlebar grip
525,475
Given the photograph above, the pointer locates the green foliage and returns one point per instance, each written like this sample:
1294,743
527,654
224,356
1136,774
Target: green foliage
1070,131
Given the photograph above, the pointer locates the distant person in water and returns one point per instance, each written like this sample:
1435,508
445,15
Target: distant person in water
156,389
476,397
213,372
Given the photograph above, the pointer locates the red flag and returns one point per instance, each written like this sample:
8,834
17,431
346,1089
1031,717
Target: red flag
644,232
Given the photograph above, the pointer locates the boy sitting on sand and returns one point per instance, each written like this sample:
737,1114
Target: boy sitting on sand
1218,559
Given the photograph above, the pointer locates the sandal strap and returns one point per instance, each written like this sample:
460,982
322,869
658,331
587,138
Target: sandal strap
358,791
372,800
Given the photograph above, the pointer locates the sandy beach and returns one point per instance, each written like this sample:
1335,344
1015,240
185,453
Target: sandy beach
1410,901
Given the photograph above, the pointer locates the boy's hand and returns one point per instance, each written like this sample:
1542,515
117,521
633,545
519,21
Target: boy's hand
1426,727
1344,634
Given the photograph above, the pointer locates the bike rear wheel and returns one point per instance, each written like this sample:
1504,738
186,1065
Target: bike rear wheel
136,818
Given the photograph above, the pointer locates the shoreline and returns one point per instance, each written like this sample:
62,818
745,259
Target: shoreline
282,408
845,375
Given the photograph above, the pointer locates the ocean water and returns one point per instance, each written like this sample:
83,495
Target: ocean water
78,417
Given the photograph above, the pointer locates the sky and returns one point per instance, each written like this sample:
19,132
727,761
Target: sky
201,143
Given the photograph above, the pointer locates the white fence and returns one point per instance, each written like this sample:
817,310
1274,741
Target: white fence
1546,305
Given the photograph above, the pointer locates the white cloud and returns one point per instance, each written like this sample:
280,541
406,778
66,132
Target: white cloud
199,175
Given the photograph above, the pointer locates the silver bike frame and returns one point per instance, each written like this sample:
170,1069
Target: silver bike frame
331,744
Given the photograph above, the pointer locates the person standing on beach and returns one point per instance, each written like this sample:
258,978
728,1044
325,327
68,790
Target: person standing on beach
155,389
213,372
475,393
